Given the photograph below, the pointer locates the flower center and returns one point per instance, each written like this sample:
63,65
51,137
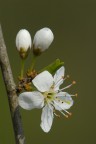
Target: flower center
49,96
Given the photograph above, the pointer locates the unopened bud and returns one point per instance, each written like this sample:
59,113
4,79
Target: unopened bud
23,42
42,40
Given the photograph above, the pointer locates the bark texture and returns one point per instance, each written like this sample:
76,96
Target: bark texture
11,92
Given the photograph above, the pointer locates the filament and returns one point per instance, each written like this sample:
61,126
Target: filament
68,86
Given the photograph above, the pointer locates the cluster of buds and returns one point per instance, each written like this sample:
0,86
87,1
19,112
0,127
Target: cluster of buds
25,82
42,40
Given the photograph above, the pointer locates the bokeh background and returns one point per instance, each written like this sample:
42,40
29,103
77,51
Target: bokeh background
73,23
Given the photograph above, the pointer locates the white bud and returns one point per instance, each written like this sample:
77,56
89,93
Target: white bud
23,40
42,40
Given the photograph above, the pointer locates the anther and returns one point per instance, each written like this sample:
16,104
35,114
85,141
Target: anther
74,95
74,82
66,77
66,116
68,112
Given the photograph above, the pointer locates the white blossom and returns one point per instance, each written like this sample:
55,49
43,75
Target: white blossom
49,97
42,40
23,40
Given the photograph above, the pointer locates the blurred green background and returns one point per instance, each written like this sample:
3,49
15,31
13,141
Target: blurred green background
73,23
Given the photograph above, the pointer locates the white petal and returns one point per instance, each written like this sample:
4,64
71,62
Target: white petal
58,77
47,118
60,94
43,81
65,101
30,100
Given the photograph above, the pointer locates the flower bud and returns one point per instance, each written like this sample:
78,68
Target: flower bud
42,40
23,42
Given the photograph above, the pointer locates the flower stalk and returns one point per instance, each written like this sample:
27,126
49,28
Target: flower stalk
33,62
22,68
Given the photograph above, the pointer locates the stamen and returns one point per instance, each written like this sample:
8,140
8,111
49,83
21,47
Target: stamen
55,111
66,77
68,112
61,109
74,95
74,82
56,115
64,114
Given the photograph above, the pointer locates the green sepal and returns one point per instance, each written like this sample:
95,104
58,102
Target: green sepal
23,53
53,66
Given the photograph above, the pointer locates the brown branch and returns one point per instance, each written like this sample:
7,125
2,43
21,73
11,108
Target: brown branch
11,92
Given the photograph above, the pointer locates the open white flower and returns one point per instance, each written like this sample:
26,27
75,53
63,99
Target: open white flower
42,40
49,97
23,40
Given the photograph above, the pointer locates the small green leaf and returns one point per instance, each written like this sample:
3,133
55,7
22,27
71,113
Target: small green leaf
53,66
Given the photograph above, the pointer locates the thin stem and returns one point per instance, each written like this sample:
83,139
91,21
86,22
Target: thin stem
22,67
11,92
33,63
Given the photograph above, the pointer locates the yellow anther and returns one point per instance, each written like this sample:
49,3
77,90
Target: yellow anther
67,76
70,114
74,82
76,94
66,116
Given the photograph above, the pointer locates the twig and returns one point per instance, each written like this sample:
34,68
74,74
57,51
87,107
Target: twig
11,92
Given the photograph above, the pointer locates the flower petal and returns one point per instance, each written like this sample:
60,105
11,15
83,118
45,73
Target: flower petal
63,101
30,100
60,94
58,77
47,118
43,81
